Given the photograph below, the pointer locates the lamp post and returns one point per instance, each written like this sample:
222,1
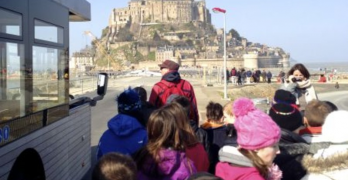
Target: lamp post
219,10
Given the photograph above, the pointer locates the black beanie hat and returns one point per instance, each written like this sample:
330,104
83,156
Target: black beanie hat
286,116
283,96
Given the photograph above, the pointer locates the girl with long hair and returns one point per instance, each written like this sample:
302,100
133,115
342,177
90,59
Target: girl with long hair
164,156
258,137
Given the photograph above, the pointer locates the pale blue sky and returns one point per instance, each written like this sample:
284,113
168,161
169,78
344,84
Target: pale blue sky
310,30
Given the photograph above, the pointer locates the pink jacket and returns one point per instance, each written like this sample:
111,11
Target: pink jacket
227,171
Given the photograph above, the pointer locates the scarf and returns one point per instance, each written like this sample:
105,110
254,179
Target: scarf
310,92
304,84
274,173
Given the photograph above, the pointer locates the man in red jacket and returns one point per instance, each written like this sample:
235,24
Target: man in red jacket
171,83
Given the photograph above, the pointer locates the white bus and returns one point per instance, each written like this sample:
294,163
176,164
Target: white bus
43,134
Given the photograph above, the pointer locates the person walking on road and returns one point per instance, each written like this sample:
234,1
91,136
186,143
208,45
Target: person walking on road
171,83
269,77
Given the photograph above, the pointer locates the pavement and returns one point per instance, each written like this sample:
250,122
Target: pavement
204,94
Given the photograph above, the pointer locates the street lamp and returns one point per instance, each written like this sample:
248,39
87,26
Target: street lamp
219,10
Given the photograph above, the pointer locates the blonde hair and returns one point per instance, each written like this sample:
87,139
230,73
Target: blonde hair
115,166
228,108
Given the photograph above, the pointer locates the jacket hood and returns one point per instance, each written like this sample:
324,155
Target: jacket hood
211,125
169,163
290,137
124,125
326,160
230,154
193,125
172,76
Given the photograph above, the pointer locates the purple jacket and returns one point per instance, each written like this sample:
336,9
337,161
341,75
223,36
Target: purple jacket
173,165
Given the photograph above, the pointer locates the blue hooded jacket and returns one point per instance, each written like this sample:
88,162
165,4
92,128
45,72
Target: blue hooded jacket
125,135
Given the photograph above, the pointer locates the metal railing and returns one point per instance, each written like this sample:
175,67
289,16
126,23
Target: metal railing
80,86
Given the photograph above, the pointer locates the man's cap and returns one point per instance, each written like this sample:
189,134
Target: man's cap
171,65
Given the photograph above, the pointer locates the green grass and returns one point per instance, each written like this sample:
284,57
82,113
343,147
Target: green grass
151,56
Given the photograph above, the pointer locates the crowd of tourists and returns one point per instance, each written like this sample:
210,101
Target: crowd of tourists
242,76
301,138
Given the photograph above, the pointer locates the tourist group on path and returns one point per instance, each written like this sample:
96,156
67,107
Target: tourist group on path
242,76
301,138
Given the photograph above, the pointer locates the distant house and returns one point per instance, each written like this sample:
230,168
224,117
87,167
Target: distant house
171,36
82,61
166,52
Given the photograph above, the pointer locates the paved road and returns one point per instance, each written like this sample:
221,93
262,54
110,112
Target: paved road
107,108
339,98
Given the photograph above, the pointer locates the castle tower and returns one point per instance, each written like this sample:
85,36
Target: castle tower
251,61
286,60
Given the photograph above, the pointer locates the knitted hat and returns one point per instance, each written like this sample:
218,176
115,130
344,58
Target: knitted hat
283,96
286,116
171,65
335,128
128,101
255,129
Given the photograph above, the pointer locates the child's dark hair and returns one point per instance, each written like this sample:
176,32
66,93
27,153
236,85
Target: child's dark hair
115,166
184,102
332,105
142,93
214,111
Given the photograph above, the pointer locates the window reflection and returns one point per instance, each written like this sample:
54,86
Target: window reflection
49,85
11,61
48,32
10,22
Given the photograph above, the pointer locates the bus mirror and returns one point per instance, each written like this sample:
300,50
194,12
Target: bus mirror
102,84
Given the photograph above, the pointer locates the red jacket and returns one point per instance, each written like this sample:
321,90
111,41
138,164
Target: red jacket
322,79
311,130
199,156
187,88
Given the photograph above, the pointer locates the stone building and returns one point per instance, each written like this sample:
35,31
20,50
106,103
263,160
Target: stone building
166,52
158,11
82,61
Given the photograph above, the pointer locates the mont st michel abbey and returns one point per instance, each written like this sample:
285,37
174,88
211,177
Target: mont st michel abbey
160,11
146,32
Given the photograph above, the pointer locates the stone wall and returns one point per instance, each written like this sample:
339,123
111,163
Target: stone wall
230,62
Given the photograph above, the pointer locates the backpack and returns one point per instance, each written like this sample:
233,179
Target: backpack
170,89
